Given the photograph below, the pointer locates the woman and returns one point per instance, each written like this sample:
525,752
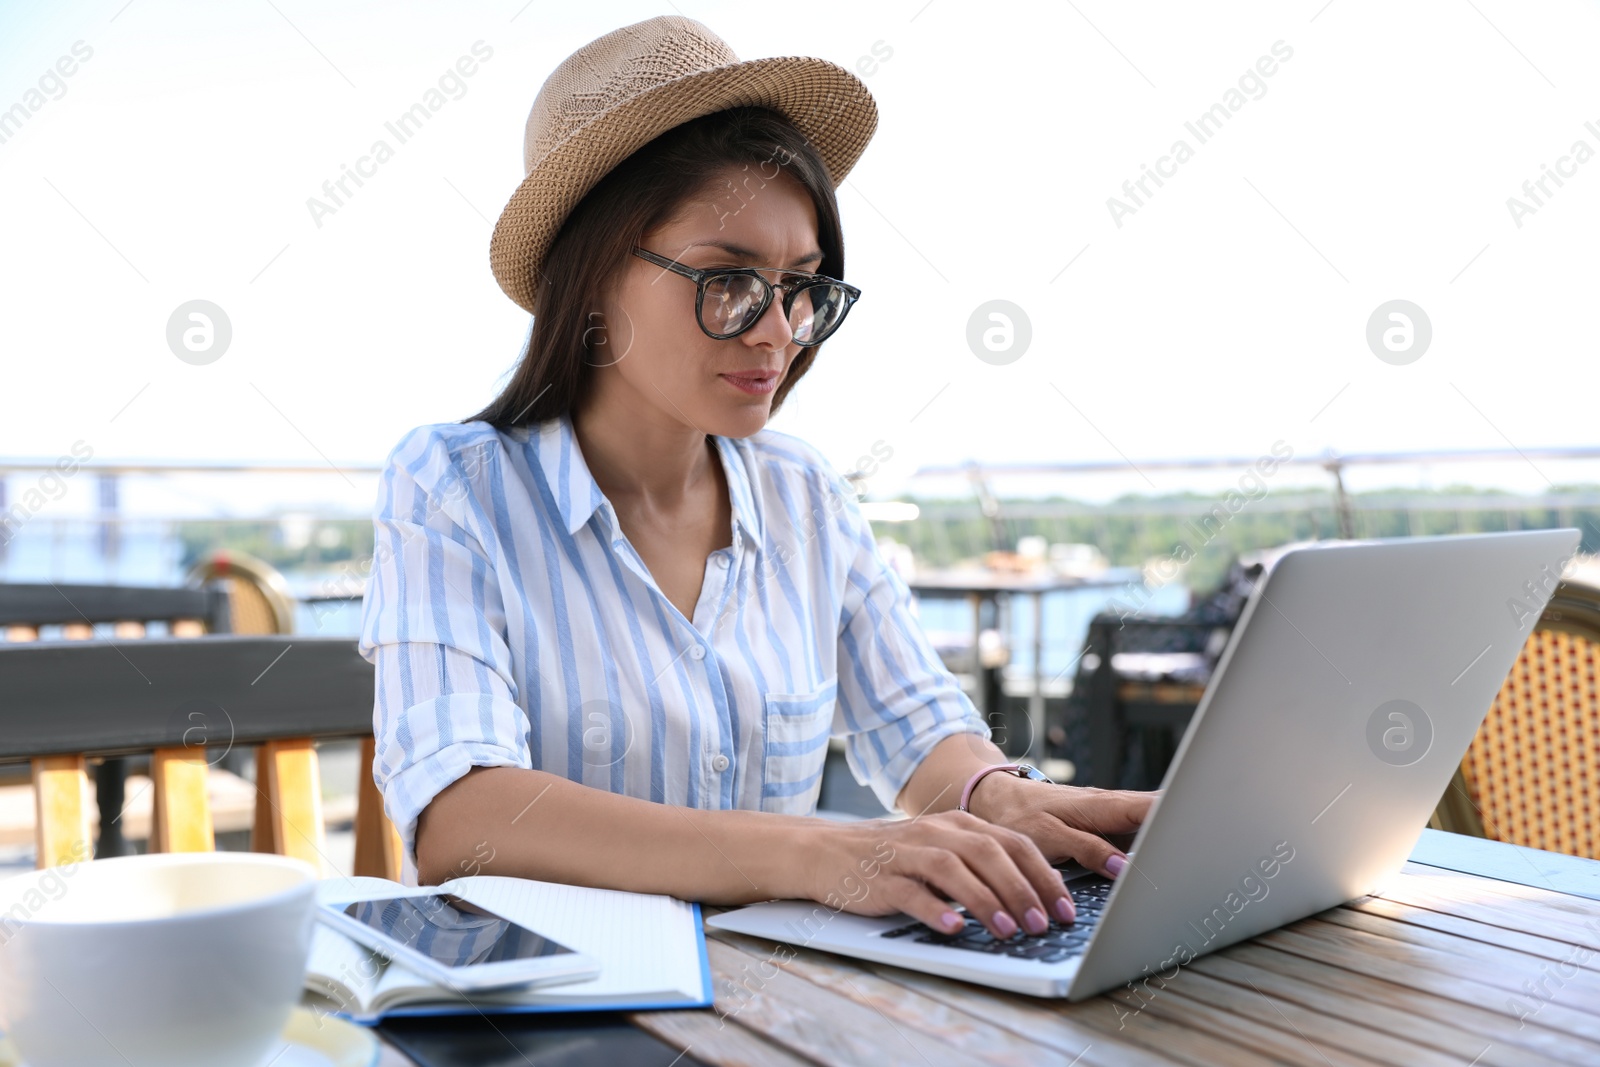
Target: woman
614,619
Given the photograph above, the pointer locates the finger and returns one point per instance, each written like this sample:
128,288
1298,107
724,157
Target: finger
1045,879
991,856
1094,852
948,872
1057,840
921,903
990,851
1028,897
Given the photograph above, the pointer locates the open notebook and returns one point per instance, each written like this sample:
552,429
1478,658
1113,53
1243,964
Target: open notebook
651,950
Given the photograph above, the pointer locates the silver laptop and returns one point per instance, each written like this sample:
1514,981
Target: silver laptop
1349,690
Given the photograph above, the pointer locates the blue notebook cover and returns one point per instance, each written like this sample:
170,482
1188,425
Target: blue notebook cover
600,922
469,1008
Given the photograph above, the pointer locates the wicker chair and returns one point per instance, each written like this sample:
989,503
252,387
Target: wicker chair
259,600
1532,775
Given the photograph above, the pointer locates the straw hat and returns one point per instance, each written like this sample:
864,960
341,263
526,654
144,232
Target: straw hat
620,91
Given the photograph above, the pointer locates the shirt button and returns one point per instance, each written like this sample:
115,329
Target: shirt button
722,560
697,652
719,763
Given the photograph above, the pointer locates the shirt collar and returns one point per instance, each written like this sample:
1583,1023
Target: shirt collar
578,495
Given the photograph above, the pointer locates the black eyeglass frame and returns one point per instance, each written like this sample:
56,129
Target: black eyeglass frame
791,289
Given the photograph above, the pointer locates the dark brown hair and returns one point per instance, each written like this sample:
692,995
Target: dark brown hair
646,190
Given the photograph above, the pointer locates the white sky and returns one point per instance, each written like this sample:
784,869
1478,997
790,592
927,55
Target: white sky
1224,315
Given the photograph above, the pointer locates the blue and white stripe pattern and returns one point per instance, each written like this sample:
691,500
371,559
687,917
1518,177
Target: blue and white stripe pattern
511,623
452,936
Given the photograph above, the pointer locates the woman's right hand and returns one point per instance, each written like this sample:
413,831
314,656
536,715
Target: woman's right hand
883,866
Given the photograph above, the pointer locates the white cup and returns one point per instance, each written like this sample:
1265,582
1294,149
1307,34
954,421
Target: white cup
184,959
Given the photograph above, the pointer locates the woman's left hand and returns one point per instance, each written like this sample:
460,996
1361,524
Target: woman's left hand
1082,823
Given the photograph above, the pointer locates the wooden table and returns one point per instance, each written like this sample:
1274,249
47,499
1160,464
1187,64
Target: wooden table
1478,954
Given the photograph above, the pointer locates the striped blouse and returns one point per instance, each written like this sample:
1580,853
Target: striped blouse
511,623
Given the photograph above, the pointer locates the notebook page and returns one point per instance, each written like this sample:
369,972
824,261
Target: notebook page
345,961
645,943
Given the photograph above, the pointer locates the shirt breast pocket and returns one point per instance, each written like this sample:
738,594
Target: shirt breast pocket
796,729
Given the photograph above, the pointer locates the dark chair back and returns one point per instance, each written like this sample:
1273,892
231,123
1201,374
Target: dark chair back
1140,679
74,611
180,699
25,608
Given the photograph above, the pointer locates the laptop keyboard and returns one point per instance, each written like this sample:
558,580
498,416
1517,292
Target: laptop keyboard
1061,941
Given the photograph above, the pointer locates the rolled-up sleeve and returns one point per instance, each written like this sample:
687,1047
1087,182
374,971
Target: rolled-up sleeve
896,697
433,626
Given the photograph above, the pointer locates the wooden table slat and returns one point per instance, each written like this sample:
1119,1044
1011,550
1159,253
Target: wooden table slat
1158,1032
898,1004
1502,968
1472,948
1443,982
1440,892
1467,888
1480,1018
1038,1019
706,1036
812,1021
1549,948
1208,1004
1462,1046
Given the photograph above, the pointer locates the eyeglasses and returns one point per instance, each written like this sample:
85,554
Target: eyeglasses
730,300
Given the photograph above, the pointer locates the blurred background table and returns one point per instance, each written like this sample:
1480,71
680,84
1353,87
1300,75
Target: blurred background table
983,589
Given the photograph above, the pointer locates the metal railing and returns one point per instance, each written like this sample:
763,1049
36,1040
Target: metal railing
22,513
1336,464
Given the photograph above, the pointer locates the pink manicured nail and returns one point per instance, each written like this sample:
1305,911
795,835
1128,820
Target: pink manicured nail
1033,919
1115,865
1064,910
1004,924
951,920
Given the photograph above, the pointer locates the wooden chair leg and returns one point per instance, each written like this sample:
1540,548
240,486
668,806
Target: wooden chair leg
181,817
289,802
61,811
264,828
377,841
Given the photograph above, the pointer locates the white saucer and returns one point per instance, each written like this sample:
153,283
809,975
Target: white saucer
312,1041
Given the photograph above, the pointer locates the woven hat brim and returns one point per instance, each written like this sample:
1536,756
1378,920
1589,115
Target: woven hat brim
826,103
